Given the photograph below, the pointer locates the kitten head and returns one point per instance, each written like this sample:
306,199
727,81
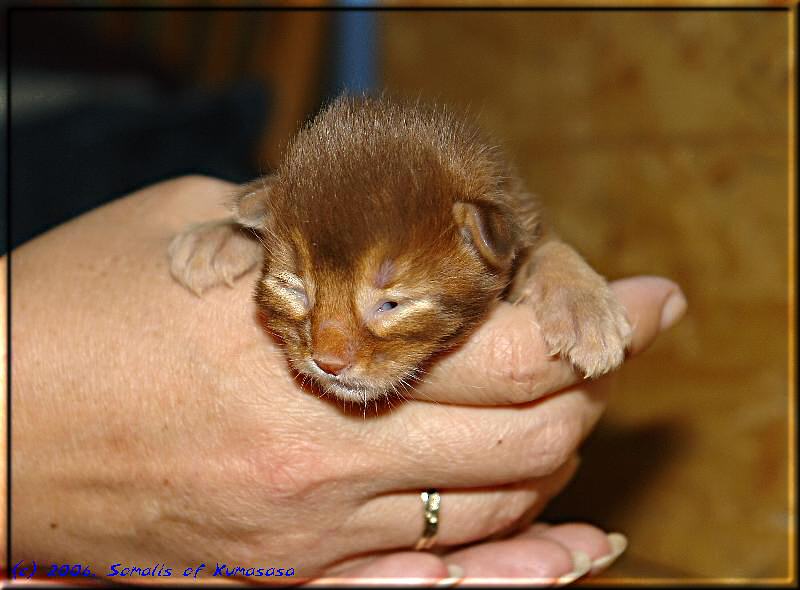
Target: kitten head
388,234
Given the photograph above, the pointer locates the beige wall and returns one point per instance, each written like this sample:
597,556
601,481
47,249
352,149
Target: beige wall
659,143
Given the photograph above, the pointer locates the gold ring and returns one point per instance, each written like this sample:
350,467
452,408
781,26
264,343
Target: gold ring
431,501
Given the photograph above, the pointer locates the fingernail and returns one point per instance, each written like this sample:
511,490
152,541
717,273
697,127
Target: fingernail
618,544
581,563
673,309
455,573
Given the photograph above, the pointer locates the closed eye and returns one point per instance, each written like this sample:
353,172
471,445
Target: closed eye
387,306
399,316
298,292
290,287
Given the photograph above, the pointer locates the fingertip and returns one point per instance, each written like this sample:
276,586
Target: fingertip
653,304
618,543
673,309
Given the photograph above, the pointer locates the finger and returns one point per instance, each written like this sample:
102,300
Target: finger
591,550
506,361
552,486
395,521
523,560
653,304
603,549
405,568
440,445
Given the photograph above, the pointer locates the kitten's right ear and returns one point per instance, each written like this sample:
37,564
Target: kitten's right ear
489,230
249,204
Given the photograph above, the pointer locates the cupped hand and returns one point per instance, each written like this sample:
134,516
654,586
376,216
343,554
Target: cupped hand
152,426
506,360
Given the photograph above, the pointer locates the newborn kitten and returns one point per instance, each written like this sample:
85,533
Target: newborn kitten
386,235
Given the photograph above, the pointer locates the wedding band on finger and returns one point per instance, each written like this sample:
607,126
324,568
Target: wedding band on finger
430,501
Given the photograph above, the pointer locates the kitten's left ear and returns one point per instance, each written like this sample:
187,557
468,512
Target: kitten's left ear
249,204
489,229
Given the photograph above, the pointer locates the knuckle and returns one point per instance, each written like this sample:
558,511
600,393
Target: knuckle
506,512
291,471
513,366
180,185
489,514
176,194
190,181
553,442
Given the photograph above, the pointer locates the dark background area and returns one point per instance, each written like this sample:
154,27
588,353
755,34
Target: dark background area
659,143
104,102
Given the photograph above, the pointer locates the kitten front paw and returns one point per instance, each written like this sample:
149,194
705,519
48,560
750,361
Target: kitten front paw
209,254
585,325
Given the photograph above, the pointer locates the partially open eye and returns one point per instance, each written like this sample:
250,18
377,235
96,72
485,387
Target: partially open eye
300,293
290,285
387,306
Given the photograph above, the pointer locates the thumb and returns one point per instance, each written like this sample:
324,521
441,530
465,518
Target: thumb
653,304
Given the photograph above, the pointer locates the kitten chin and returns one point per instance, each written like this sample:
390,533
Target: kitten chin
380,367
358,390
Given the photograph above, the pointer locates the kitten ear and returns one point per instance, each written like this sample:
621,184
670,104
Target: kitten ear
489,230
249,204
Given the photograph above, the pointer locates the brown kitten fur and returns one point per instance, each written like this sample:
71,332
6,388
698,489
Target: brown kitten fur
386,235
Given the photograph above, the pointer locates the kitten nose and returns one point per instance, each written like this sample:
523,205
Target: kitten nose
331,364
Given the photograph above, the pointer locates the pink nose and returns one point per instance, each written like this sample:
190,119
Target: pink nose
333,365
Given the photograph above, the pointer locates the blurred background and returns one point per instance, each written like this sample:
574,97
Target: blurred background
658,141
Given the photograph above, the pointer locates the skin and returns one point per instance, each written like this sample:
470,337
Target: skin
153,426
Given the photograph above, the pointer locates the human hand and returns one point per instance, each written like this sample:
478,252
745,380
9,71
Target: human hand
522,371
151,426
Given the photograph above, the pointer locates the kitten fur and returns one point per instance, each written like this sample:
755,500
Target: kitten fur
386,235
